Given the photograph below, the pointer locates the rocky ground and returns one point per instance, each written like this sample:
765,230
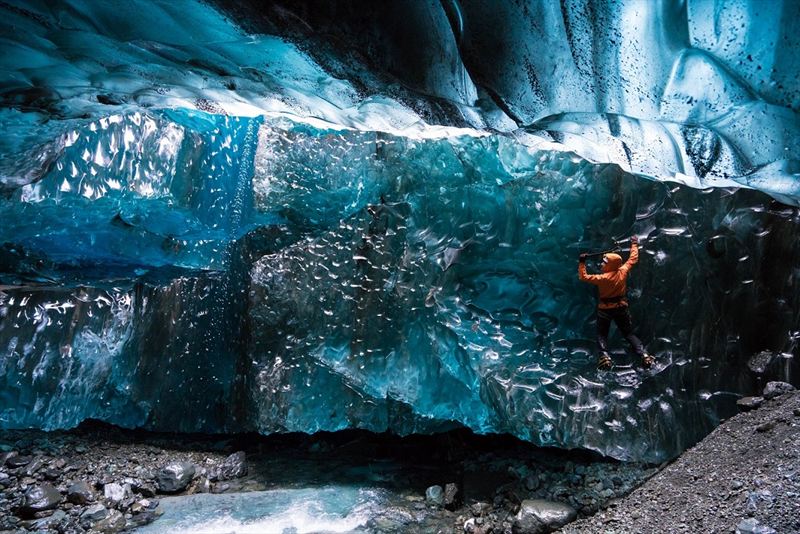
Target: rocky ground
103,479
744,477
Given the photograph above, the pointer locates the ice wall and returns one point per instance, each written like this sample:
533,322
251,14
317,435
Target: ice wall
285,217
399,284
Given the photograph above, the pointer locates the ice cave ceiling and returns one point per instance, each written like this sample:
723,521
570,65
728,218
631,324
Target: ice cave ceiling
308,215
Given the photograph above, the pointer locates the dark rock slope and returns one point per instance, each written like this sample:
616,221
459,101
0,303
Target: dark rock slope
744,477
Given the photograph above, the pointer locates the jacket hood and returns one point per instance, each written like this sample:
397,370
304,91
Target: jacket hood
611,262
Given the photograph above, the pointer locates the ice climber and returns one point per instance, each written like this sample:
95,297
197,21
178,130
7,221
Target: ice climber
613,303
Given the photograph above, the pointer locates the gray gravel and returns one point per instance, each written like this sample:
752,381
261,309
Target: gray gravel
743,477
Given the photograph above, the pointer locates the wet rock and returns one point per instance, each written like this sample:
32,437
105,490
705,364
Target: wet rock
758,363
749,403
752,526
775,389
116,492
16,461
140,519
452,498
144,488
766,427
34,465
203,486
80,493
4,457
538,516
479,509
175,477
435,495
141,506
95,513
234,466
49,522
40,498
113,522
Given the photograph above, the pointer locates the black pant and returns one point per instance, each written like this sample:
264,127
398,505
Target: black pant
622,317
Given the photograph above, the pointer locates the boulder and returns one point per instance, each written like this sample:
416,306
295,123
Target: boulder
234,466
435,495
174,477
538,516
776,389
80,493
40,498
749,403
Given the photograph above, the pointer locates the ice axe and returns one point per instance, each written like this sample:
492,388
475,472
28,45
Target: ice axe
616,249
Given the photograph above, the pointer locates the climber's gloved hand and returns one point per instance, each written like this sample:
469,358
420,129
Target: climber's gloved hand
635,239
582,258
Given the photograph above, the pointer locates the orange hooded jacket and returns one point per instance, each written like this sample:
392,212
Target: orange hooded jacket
611,285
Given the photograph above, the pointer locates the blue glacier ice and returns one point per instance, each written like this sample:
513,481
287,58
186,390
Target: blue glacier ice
231,216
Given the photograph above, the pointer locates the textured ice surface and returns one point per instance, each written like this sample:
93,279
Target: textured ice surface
238,215
702,91
401,284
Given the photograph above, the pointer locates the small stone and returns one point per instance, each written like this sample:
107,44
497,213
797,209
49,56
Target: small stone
34,466
537,515
80,493
220,487
95,512
116,492
758,363
531,483
16,461
234,466
203,485
45,523
174,477
140,506
775,389
142,487
749,403
435,495
5,456
452,498
766,427
114,522
479,508
40,498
